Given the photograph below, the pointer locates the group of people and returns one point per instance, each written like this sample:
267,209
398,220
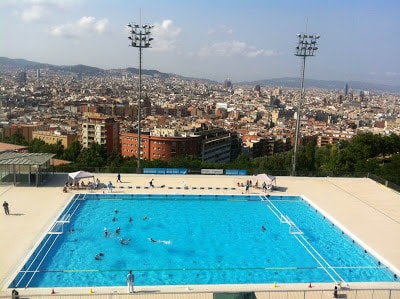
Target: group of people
96,184
249,184
90,185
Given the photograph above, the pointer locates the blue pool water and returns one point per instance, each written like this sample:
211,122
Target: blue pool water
201,239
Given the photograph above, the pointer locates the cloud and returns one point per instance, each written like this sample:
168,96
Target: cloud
223,29
392,74
84,27
34,13
166,36
387,74
36,10
234,48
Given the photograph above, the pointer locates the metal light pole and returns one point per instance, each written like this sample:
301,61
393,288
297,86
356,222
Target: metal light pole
307,45
140,38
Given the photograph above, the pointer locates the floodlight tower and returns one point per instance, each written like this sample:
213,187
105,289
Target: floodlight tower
307,45
140,38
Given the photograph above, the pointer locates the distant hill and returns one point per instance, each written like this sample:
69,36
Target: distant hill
87,70
149,72
78,69
278,82
82,69
331,84
9,62
23,63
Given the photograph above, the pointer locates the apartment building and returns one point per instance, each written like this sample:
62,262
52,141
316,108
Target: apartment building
25,130
332,137
215,145
211,145
162,145
102,130
52,137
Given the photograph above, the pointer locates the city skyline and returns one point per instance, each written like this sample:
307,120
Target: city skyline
214,40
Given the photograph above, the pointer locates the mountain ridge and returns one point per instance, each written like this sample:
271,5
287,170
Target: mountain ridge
291,82
294,82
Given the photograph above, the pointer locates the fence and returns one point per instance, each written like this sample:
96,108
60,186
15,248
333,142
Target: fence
383,182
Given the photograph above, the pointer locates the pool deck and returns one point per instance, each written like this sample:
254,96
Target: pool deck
366,210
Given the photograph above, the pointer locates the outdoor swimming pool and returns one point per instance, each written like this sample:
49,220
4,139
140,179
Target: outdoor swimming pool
200,239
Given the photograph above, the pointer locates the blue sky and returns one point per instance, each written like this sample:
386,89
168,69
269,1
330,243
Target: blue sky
240,40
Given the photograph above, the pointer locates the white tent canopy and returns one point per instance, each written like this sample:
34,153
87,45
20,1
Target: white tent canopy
76,176
267,178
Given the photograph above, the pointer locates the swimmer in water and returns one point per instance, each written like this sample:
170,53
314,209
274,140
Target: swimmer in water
125,242
166,242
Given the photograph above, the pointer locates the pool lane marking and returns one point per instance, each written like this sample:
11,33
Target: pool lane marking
214,269
40,262
309,248
328,266
81,271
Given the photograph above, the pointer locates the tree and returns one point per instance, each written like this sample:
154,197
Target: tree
94,156
16,138
115,159
364,153
58,149
72,152
37,146
40,146
390,171
364,146
241,162
306,158
325,158
185,162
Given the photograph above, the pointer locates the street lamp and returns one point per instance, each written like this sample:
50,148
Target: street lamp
140,38
307,45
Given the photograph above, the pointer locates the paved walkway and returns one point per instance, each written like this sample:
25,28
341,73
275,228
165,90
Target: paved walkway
366,210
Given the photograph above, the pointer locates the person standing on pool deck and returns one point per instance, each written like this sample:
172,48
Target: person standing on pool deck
109,186
119,178
5,206
130,280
